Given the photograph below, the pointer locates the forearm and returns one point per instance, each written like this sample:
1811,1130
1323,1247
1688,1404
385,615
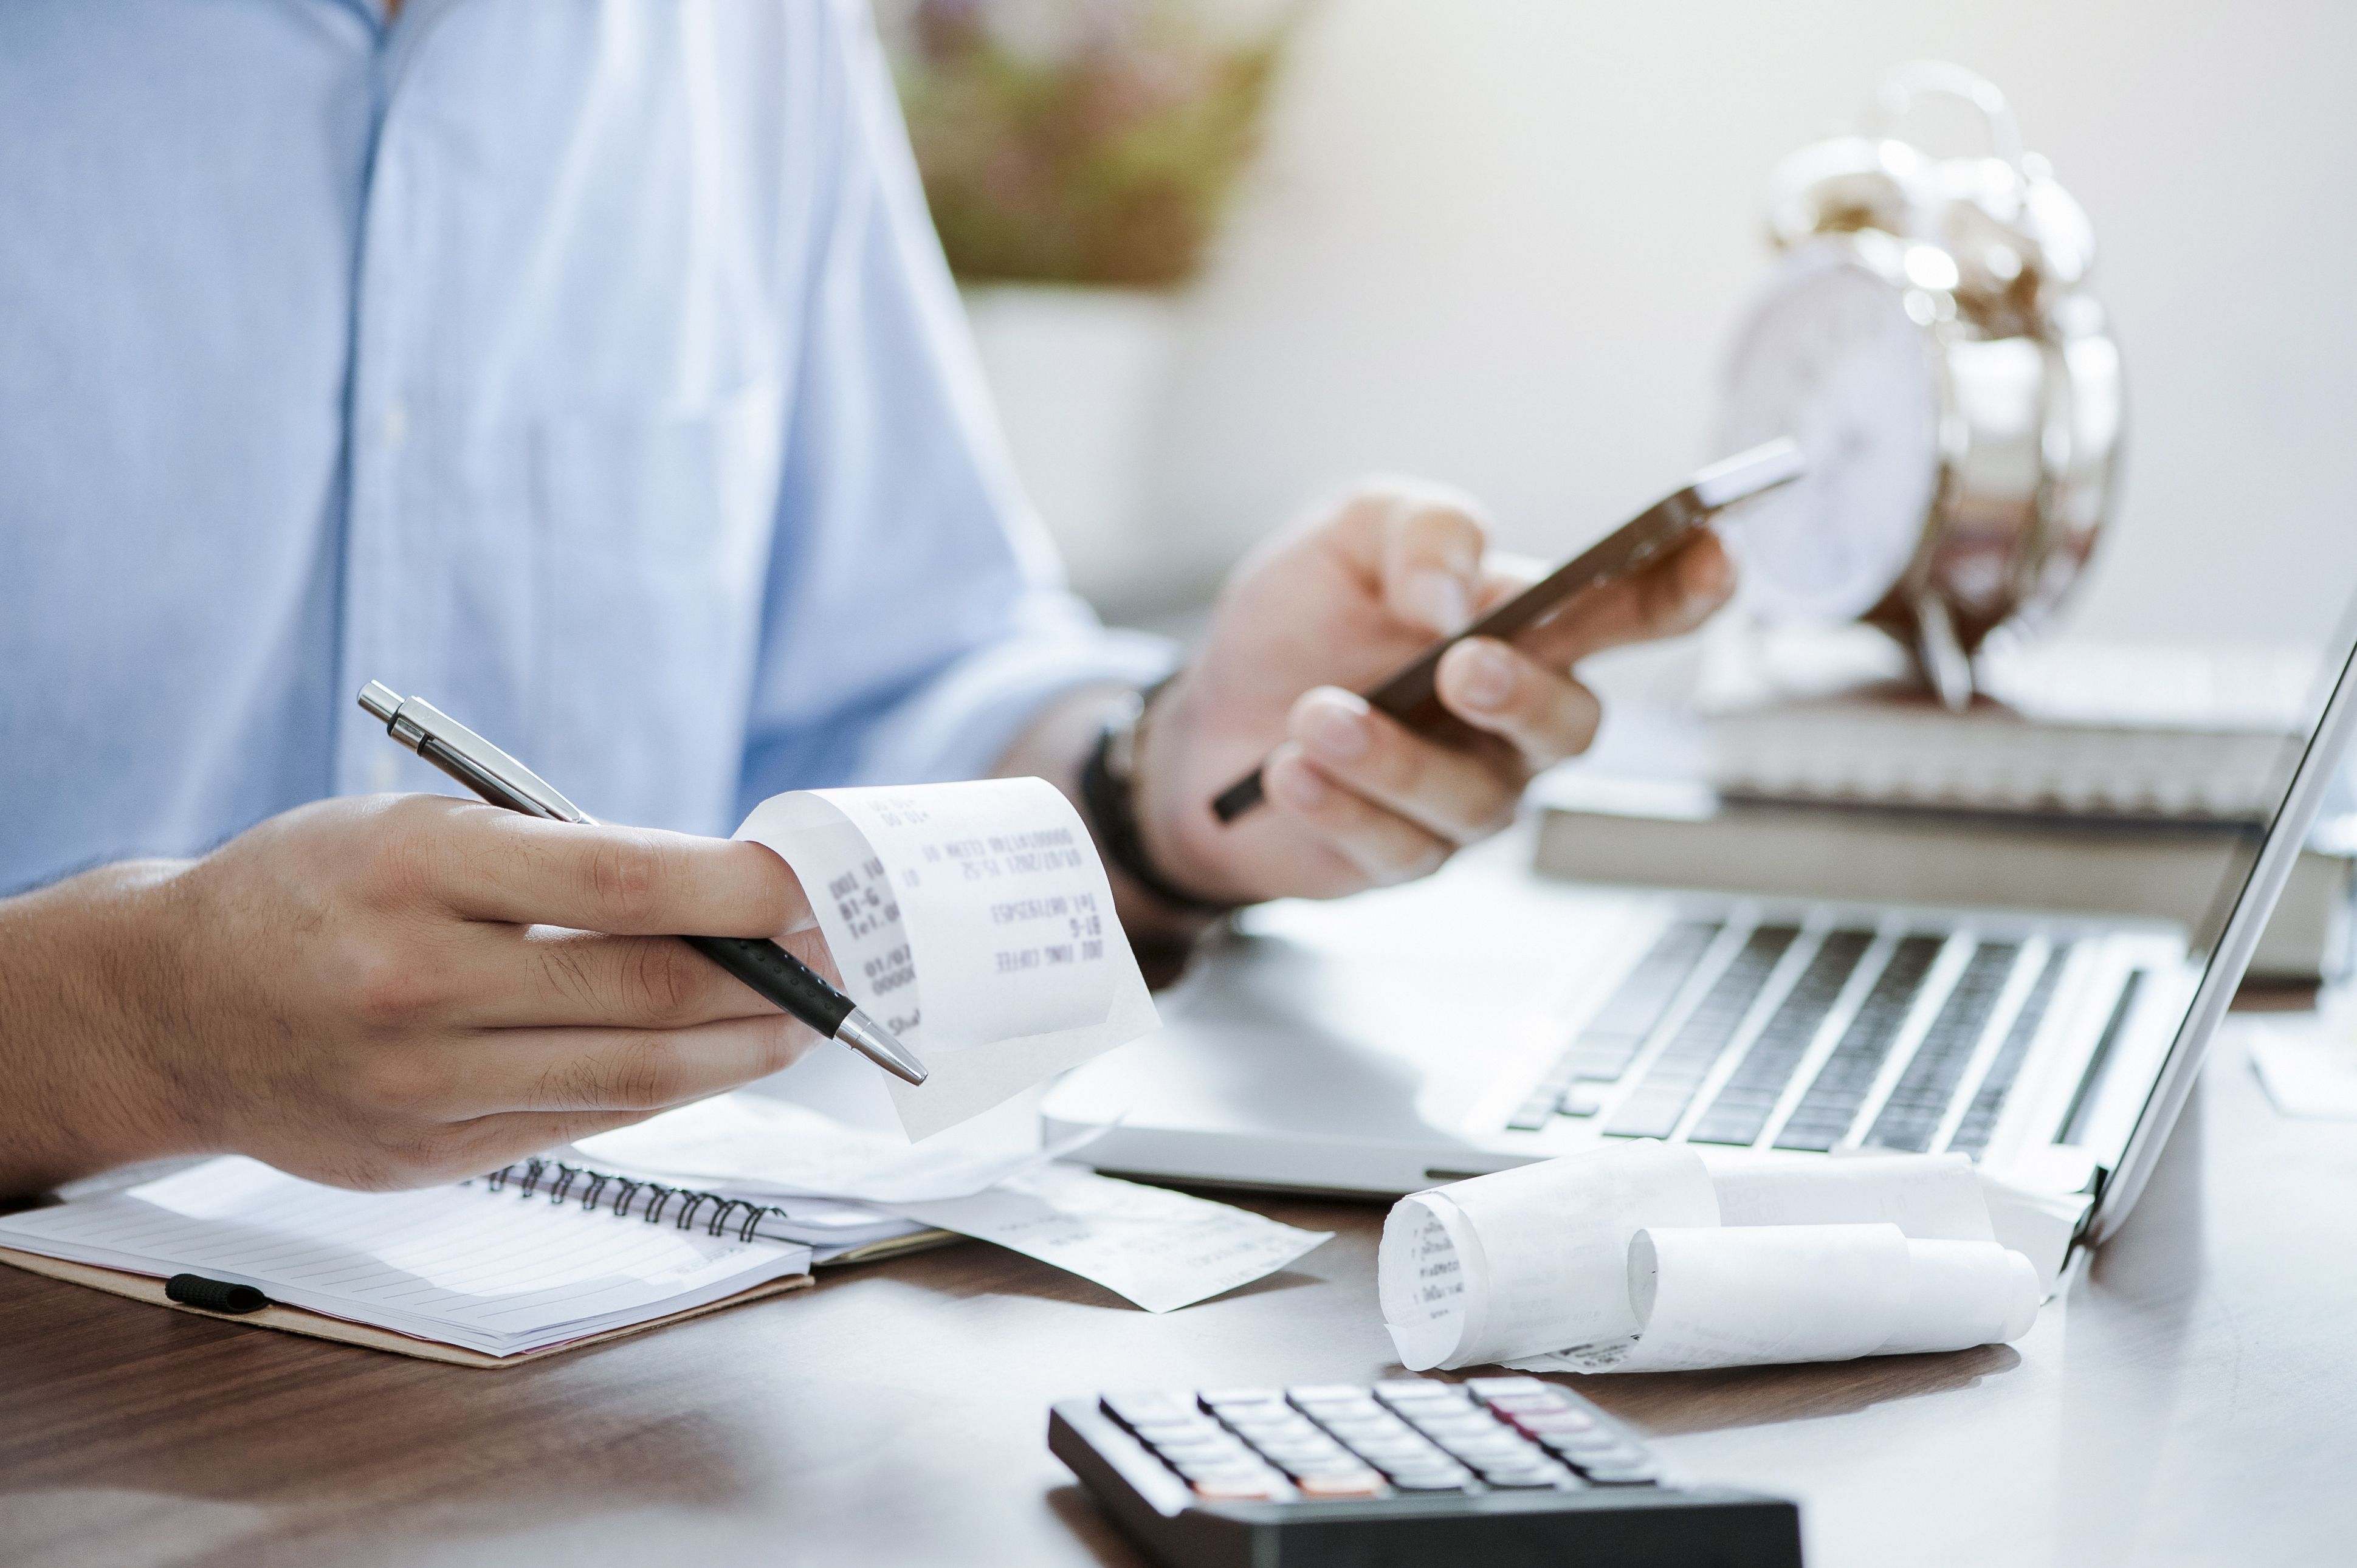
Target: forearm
79,1089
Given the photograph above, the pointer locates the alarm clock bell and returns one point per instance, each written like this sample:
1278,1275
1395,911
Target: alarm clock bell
1927,338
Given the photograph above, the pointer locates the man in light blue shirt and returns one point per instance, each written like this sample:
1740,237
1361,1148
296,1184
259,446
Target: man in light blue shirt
591,368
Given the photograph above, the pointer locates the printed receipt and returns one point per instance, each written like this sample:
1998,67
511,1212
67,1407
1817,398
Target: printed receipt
1643,1258
974,921
1162,1250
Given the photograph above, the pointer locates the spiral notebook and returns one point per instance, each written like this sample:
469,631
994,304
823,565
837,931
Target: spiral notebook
490,1269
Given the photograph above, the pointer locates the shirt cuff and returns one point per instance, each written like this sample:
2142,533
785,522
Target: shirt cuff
959,723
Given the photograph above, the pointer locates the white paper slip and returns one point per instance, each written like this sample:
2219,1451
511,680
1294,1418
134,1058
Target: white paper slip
974,921
1754,1295
750,1146
1929,1196
1162,1250
457,1264
1639,1257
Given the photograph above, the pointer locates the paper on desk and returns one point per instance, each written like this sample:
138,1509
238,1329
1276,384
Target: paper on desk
1639,1257
1162,1250
974,921
2307,1070
752,1147
1757,1294
1931,1197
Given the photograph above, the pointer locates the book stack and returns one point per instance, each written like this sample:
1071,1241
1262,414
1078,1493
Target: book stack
2100,779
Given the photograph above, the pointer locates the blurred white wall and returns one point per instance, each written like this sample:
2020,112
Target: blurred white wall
1499,241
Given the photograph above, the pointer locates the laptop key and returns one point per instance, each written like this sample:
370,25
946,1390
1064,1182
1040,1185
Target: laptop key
1739,1112
1972,1133
1823,1116
1654,1109
1919,1102
1604,1049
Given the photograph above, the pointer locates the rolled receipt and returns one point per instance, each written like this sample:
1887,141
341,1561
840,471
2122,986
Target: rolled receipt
1639,1257
973,919
1533,1259
1742,1296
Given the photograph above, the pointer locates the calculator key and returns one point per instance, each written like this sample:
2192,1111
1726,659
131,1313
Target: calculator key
1151,1404
1409,1446
1307,1456
1428,1480
1327,1411
1479,1458
1222,1400
1602,1448
1239,1489
1416,1388
1159,1431
1519,1404
1342,1483
1548,1421
1368,1428
1271,1419
1208,1456
1523,1480
1314,1393
1622,1475
1442,1429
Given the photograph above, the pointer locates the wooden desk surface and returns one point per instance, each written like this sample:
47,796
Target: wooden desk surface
2193,1399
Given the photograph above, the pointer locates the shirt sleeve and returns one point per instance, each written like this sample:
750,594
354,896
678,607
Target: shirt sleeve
915,615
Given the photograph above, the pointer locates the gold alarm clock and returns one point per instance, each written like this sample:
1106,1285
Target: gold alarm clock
1927,338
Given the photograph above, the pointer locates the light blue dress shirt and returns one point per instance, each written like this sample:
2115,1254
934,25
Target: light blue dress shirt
588,367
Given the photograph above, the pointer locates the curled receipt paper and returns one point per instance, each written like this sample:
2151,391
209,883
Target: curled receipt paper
1641,1258
974,921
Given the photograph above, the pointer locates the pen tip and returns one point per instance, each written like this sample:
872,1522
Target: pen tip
874,1041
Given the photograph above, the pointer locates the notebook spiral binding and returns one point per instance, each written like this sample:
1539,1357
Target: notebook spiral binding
620,1196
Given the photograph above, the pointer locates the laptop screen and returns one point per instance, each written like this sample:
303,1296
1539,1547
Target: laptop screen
2260,856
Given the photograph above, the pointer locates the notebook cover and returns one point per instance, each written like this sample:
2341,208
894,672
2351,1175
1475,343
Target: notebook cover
295,1320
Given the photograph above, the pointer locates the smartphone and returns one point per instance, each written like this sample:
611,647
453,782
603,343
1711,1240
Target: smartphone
1409,695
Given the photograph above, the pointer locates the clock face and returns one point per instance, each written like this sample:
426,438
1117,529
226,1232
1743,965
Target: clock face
1831,358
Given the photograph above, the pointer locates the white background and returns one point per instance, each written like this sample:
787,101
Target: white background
1500,242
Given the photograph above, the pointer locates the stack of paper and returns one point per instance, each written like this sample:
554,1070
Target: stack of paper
1159,1248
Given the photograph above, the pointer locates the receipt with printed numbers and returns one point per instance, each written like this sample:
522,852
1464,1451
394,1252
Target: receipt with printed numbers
974,921
1162,1250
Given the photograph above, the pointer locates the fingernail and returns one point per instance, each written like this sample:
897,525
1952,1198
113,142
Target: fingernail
1440,599
1336,726
1296,783
1487,677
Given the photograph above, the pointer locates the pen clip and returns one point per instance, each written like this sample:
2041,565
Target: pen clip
466,756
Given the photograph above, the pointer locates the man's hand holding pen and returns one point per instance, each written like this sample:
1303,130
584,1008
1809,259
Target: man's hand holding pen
398,990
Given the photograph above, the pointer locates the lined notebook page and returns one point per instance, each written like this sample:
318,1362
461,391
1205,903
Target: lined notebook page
494,1272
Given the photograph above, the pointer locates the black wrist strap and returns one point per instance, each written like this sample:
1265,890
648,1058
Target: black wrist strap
1113,811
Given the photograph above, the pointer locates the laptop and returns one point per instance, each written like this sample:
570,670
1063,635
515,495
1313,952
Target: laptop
1487,1016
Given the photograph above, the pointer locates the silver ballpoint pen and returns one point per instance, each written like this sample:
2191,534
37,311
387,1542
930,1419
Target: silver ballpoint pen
769,969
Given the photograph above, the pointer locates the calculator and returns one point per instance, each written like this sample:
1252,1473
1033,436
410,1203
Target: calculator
1493,1471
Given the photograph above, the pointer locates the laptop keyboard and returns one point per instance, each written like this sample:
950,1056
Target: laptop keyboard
1831,1102
1659,1101
1919,1103
1765,1072
1972,1133
1740,1114
1611,1039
